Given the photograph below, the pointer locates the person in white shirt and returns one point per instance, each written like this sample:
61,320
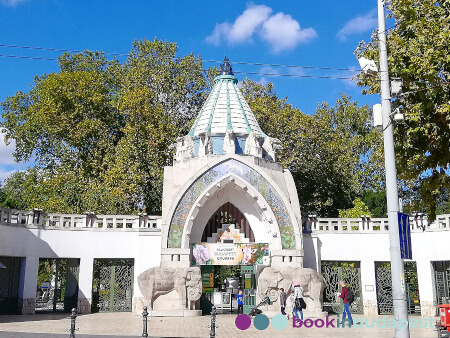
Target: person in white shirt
294,300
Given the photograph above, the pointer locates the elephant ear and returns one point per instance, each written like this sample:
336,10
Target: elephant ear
280,276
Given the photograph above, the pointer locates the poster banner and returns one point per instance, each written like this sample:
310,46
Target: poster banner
208,279
230,254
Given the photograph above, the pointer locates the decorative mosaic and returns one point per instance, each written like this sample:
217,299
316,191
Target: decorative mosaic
252,177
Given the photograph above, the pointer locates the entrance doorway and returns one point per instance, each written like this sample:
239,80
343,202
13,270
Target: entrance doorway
384,288
9,285
227,214
112,287
350,273
442,281
221,284
57,285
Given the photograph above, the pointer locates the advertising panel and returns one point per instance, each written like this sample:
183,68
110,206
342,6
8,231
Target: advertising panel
230,254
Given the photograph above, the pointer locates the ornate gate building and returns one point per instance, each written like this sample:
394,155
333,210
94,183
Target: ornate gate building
226,199
227,165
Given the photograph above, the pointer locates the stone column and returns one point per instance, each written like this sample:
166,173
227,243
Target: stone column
27,287
427,288
85,284
369,287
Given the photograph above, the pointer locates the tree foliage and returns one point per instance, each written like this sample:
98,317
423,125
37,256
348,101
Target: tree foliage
100,131
419,53
359,209
334,155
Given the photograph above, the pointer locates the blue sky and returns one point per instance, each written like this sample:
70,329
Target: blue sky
321,33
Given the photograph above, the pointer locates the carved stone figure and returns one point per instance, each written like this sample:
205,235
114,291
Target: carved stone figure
272,279
253,144
271,145
229,143
184,148
205,144
158,281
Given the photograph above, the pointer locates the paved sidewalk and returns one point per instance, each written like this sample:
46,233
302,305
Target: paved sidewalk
123,325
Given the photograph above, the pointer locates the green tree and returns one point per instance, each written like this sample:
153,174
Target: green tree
418,53
100,131
359,209
333,155
376,202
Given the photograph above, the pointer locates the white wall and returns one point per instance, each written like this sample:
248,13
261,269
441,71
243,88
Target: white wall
371,247
87,244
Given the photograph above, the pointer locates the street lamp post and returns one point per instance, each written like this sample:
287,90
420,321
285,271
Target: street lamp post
397,268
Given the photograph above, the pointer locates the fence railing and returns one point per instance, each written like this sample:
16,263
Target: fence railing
37,217
367,224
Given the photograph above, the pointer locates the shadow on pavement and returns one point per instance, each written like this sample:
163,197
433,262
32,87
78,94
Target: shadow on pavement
33,318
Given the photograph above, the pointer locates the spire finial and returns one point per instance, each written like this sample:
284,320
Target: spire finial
225,67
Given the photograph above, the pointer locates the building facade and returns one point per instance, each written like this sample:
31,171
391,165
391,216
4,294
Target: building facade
225,191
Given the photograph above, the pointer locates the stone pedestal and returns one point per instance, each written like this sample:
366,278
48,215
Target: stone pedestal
84,306
27,306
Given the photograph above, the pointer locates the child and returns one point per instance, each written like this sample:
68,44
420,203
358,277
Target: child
240,301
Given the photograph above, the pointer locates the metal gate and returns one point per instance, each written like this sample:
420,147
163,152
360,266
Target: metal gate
112,287
249,285
57,285
9,285
384,288
350,273
442,281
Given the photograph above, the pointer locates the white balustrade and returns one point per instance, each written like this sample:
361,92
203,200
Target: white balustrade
35,218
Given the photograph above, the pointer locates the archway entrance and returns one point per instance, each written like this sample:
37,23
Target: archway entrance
221,284
227,221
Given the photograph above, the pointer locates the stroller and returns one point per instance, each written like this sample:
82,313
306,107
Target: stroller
255,310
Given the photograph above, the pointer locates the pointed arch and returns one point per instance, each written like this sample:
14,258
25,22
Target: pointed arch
228,213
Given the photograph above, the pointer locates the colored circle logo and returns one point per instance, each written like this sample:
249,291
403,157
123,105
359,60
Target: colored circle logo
261,322
243,322
279,322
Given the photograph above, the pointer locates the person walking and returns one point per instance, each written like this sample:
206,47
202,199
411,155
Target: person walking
298,295
346,313
283,301
240,301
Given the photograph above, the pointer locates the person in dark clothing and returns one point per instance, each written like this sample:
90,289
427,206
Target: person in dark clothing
283,301
240,301
346,312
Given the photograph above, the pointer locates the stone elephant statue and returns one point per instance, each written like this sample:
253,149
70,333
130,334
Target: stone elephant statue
270,281
158,281
313,285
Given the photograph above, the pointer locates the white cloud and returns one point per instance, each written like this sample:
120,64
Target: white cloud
6,151
268,70
296,71
281,31
357,25
11,3
5,173
243,27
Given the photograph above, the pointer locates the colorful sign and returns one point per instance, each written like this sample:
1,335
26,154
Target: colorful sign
208,279
230,254
405,236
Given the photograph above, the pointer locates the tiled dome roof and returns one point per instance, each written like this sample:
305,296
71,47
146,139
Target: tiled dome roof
225,108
